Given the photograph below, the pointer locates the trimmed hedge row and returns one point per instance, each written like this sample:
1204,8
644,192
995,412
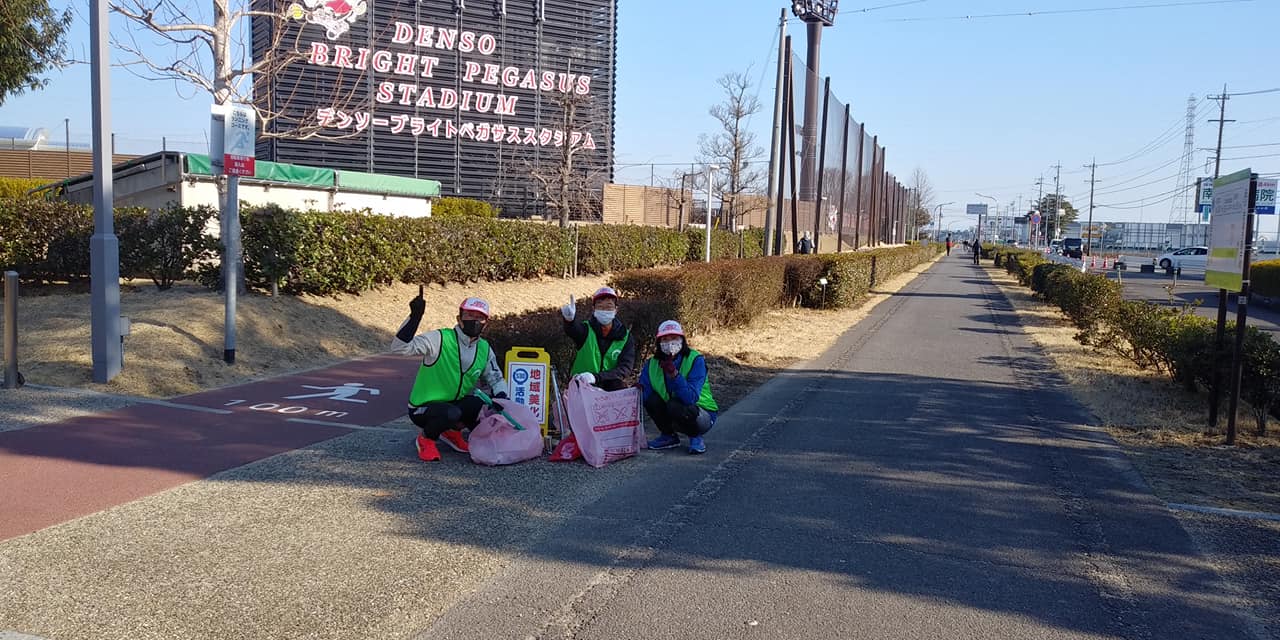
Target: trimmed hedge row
731,293
1174,341
325,253
1264,278
727,293
49,241
462,208
18,187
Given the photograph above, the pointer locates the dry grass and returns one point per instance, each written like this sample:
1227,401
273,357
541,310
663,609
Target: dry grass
1162,427
177,339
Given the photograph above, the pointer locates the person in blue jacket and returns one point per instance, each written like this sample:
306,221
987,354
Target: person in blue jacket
677,391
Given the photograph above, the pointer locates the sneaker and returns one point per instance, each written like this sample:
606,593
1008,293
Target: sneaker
665,442
454,439
427,451
696,445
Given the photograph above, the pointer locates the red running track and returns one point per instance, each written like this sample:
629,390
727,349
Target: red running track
58,472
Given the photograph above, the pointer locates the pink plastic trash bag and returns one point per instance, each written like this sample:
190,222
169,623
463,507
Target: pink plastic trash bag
496,441
606,424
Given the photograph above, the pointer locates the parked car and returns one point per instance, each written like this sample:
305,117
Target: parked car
1194,257
1073,248
1055,246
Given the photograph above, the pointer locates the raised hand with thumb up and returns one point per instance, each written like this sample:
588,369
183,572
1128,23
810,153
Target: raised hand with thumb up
569,310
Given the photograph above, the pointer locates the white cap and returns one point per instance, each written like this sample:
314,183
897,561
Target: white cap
475,304
670,328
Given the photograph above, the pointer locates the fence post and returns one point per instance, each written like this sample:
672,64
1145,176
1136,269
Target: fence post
12,380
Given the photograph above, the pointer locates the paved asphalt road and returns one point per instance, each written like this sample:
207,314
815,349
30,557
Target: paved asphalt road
924,479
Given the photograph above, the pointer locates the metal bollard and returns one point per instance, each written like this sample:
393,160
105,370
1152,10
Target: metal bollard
12,380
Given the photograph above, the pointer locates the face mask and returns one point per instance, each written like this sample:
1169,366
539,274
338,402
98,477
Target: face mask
472,328
605,318
671,348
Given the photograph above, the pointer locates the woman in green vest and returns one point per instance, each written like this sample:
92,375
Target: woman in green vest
677,391
606,349
454,361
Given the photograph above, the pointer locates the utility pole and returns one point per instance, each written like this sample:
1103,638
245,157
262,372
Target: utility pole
1040,205
1088,238
1222,115
1057,200
1018,211
775,164
1222,293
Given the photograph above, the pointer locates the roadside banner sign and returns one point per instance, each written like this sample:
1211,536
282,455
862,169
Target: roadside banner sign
1264,203
1231,209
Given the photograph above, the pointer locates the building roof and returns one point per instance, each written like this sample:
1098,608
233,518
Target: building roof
282,173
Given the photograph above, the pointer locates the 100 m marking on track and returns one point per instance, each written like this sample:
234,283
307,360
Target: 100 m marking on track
293,410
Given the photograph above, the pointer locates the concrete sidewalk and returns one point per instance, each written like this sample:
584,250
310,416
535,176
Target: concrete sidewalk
923,479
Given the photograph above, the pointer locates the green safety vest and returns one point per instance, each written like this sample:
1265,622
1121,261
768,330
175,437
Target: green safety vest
658,381
443,380
589,359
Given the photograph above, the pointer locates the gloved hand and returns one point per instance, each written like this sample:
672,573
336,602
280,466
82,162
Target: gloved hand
668,367
569,310
418,305
585,377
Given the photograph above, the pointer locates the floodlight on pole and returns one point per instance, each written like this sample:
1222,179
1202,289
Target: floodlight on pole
816,14
823,11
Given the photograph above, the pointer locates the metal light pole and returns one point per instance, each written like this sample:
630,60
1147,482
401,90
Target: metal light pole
995,204
710,168
104,247
937,213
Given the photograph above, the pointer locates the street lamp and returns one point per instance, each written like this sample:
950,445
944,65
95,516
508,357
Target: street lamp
710,168
937,215
996,204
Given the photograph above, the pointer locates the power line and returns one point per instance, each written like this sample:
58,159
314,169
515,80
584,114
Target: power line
1169,135
1270,155
887,6
1148,201
1253,93
1250,146
1047,12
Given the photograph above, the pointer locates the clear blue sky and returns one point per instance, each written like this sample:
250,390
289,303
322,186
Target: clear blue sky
982,104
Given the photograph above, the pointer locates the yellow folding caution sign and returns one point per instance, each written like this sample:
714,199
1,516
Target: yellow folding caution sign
531,379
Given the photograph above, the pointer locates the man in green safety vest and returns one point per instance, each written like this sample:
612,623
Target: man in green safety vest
677,391
454,361
606,348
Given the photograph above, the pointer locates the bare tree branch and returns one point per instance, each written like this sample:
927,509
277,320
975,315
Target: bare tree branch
563,186
733,148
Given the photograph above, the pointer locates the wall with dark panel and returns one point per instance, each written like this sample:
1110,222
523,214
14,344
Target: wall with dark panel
422,89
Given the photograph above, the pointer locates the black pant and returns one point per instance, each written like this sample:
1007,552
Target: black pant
672,416
435,418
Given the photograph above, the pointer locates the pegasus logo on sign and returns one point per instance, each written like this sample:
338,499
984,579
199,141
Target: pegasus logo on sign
336,16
